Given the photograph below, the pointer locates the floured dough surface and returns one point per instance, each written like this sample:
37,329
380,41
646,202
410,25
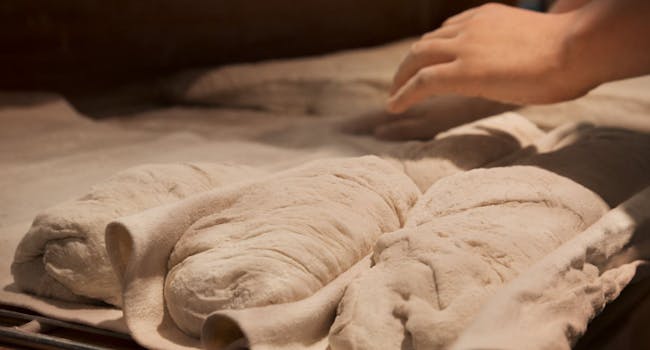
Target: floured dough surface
473,232
63,255
284,238
470,234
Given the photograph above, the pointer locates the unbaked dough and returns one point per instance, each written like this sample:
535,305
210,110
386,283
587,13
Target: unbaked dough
284,238
63,255
475,231
220,264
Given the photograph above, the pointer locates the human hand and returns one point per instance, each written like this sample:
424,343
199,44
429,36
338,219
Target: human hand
493,51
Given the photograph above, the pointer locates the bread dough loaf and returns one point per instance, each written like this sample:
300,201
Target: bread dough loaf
473,232
284,238
63,255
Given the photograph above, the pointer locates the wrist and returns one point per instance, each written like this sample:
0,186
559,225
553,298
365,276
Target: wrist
606,41
566,73
582,66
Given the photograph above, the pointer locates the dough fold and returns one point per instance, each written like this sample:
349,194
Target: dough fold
265,242
284,238
63,255
473,232
570,286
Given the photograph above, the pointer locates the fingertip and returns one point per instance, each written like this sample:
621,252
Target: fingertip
394,106
402,99
393,89
399,80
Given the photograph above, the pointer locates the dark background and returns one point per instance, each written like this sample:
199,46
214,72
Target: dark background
79,47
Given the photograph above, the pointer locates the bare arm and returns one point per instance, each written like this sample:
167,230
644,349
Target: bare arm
617,32
519,56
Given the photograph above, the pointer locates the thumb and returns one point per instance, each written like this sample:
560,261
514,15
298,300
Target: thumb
434,80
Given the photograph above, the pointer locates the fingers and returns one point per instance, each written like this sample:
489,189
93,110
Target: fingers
423,53
444,32
437,79
428,68
461,17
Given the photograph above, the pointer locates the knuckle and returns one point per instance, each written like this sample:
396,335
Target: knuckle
428,34
417,49
419,80
490,6
453,72
421,48
423,77
469,35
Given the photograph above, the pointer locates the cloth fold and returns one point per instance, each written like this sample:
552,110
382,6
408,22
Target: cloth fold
274,326
569,287
140,246
63,255
473,232
176,190
343,84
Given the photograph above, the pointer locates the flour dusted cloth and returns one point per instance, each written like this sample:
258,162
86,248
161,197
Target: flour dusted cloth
283,237
51,154
76,152
469,146
474,232
159,184
274,326
550,305
345,83
63,255
468,235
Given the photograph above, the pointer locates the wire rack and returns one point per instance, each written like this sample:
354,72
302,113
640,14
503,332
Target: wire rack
22,329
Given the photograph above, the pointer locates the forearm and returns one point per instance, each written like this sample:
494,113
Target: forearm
525,57
609,40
